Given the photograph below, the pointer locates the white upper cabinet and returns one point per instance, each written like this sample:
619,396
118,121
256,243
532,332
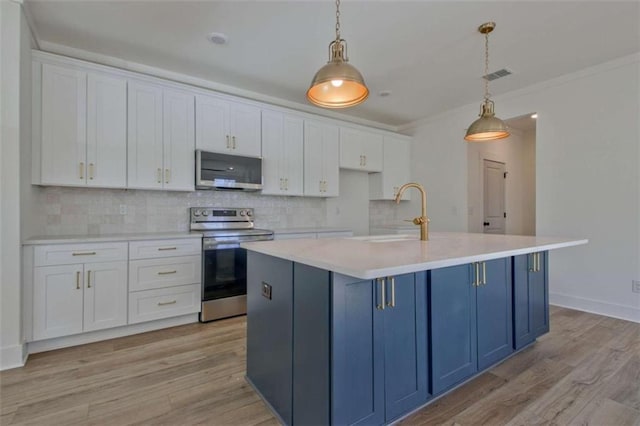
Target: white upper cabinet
321,156
179,140
106,131
396,170
227,126
145,136
83,128
360,150
161,138
282,153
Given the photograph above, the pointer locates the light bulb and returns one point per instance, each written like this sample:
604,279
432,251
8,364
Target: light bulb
336,83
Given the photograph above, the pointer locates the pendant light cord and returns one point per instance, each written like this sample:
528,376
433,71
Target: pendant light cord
337,19
486,66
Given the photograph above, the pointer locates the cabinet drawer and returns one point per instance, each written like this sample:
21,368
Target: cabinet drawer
67,254
149,274
163,303
164,248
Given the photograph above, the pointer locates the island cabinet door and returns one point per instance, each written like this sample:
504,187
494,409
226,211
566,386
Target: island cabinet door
405,344
494,311
270,330
453,326
358,353
530,298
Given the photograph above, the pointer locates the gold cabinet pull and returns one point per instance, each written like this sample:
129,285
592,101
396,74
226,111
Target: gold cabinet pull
286,184
233,142
81,170
88,279
382,294
167,272
91,171
392,302
84,253
476,279
77,280
167,303
167,248
281,184
484,273
159,175
531,260
538,262
228,144
365,160
167,175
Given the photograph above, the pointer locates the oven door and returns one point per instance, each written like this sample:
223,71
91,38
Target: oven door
224,272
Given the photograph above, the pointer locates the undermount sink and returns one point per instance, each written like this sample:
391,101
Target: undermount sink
386,238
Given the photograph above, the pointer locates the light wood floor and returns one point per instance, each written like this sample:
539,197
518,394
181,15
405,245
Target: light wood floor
586,371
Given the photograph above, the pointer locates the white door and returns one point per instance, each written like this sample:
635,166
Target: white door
145,136
105,295
293,155
57,301
313,179
494,204
331,160
244,128
106,131
272,152
64,121
179,141
212,124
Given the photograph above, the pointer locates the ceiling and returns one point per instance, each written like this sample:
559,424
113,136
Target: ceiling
427,53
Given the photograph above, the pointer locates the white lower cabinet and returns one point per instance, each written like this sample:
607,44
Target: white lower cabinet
161,303
71,299
161,285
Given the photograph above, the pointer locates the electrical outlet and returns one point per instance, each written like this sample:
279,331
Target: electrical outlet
635,286
266,290
123,209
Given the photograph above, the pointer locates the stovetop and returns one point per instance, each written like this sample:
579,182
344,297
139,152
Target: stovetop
226,223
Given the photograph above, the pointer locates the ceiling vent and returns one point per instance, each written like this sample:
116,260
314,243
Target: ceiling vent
497,74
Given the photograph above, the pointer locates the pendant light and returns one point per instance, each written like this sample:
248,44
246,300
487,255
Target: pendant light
488,127
338,84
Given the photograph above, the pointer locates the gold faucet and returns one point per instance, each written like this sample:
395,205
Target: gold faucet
423,220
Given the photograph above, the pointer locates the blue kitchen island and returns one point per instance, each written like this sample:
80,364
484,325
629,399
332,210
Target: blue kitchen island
366,330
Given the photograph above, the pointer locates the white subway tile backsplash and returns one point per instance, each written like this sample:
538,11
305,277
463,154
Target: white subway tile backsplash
81,211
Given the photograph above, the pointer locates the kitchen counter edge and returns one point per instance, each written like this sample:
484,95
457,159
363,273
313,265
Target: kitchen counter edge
81,239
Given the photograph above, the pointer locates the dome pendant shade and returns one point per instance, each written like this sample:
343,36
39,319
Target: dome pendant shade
488,127
338,84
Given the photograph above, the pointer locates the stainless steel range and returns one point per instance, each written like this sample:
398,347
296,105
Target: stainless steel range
224,263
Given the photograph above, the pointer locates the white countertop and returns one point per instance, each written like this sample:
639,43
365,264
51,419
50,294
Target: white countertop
373,257
79,239
310,230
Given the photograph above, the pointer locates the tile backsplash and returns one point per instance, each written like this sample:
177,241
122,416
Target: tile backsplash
80,211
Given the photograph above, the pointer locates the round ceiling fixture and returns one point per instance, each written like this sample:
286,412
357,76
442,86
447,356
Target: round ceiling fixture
218,38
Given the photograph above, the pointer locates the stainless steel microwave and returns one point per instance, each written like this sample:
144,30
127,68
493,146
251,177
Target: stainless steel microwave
223,171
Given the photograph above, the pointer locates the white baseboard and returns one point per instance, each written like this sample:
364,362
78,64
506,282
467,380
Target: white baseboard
13,357
613,310
111,333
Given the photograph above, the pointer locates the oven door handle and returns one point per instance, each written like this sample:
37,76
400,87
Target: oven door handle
219,245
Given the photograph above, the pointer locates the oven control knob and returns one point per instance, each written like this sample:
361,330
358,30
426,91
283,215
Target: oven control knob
205,212
249,213
196,213
243,212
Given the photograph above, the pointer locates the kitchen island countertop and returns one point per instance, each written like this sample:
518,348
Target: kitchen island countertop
388,255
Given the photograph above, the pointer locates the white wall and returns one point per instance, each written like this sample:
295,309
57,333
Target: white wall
587,181
519,160
14,44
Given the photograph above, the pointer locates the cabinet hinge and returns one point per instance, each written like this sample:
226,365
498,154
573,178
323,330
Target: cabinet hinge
505,175
505,214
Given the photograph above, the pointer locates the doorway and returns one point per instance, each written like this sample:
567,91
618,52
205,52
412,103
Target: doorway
517,154
494,175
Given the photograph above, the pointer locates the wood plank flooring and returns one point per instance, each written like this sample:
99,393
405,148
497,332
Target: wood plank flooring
585,371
